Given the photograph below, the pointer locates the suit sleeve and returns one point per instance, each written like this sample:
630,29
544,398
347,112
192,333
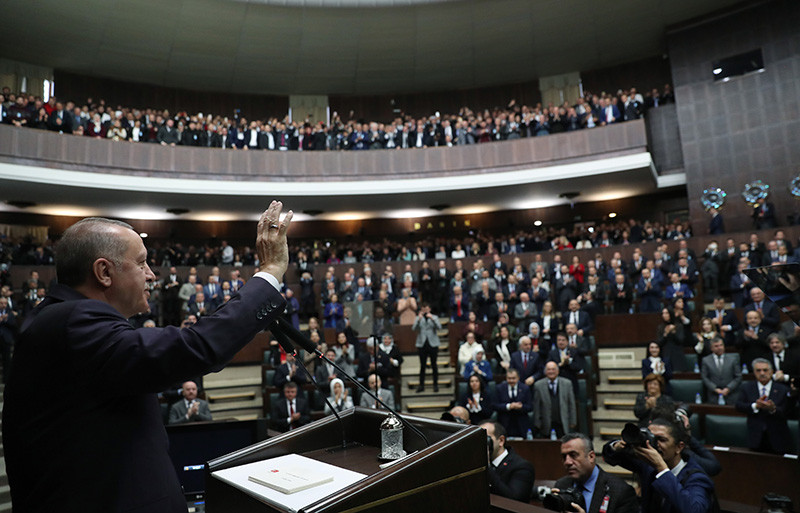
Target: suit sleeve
176,416
106,353
691,497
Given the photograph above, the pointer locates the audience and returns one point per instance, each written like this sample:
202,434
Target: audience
466,127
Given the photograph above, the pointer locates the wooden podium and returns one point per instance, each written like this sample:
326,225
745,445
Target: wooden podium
449,475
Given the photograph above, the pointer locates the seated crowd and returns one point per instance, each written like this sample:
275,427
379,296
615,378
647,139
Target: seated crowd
514,121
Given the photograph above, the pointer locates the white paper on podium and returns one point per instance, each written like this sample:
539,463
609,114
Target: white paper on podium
239,477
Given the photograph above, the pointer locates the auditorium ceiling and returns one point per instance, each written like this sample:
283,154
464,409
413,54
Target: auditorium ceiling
333,47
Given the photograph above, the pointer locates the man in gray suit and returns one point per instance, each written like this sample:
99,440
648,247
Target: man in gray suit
189,408
383,394
722,373
553,404
427,326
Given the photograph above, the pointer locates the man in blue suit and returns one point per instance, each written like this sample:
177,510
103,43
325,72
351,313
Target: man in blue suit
99,443
669,483
649,291
677,289
513,403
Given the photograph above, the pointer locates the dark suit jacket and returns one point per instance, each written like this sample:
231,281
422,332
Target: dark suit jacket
102,434
280,412
584,321
772,318
515,421
716,226
728,319
534,368
690,491
513,478
621,497
761,424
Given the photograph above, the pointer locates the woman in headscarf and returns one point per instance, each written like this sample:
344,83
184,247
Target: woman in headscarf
339,397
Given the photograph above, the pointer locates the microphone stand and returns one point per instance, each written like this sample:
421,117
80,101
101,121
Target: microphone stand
287,346
309,346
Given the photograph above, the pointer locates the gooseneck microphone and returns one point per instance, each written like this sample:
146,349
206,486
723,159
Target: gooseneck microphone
302,341
287,346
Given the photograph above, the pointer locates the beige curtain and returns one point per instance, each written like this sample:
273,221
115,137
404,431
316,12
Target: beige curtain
558,89
38,234
12,73
311,108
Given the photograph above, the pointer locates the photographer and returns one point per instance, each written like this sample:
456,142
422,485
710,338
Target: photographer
510,475
587,483
669,483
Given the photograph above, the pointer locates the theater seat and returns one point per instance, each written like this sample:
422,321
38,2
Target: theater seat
685,390
726,430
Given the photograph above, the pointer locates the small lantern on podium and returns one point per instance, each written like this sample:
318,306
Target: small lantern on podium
392,439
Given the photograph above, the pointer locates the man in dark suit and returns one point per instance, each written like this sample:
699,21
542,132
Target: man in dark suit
662,490
189,408
763,214
771,318
512,404
568,358
104,426
716,226
599,488
721,373
785,363
292,411
766,404
289,371
752,339
740,286
527,362
725,321
581,319
621,294
510,475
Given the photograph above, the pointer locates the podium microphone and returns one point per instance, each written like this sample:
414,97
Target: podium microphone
302,341
287,346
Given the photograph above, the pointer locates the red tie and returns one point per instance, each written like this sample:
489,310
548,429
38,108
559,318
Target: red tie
525,361
291,412
458,304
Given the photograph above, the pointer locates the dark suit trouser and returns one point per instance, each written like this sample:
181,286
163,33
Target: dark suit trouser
6,346
426,352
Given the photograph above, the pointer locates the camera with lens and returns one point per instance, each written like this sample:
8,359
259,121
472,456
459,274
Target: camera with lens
562,501
635,436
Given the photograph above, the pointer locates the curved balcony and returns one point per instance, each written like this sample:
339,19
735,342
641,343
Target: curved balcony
602,163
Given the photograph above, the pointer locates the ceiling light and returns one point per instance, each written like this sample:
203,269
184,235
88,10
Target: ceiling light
717,71
612,215
143,235
538,222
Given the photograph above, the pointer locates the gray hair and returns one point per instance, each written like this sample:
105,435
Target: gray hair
762,360
82,244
